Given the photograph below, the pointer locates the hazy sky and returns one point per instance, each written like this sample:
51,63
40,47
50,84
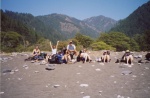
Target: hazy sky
80,9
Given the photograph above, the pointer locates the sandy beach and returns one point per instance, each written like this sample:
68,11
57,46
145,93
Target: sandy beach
23,79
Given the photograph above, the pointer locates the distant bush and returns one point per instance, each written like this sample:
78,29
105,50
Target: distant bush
119,41
101,46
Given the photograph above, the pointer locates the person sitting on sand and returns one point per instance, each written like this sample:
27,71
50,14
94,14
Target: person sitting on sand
71,49
66,58
106,56
127,57
54,48
36,53
54,51
85,56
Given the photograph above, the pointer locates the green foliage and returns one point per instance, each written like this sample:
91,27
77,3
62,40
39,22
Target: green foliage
143,40
134,45
118,40
100,45
84,40
146,37
10,41
44,44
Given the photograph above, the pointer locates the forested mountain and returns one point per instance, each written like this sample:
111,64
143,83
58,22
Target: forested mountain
67,26
136,23
21,31
14,33
100,23
35,24
61,27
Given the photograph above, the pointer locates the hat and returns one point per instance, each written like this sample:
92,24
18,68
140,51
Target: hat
127,50
70,42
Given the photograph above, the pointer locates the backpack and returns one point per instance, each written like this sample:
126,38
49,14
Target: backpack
59,59
56,59
147,56
53,59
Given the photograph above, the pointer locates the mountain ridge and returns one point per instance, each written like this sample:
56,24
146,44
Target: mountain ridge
136,23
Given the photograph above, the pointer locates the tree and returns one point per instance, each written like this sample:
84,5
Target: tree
101,46
117,40
84,40
10,41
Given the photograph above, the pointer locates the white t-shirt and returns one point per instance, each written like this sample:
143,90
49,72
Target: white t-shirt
54,51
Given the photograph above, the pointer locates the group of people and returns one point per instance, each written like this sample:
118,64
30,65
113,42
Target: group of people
66,55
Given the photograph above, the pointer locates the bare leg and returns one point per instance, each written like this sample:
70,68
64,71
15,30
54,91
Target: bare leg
127,59
131,58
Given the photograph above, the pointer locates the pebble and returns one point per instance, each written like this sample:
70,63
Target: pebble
56,86
65,86
98,69
19,78
6,71
78,73
32,61
82,92
126,72
12,72
100,91
101,64
43,62
36,71
146,68
79,66
115,82
93,65
77,82
84,85
119,96
86,97
142,74
1,93
134,76
112,76
16,70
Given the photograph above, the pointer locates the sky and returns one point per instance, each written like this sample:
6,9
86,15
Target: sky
80,9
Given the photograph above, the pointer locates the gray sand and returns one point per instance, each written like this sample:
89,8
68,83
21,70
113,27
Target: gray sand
88,80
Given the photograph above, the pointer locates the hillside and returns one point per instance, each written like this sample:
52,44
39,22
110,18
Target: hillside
67,26
61,27
136,23
15,35
100,23
37,25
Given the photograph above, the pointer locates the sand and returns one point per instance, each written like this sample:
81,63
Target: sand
78,80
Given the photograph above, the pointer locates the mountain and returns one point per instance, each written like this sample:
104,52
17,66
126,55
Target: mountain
100,23
67,26
10,24
61,27
136,23
35,24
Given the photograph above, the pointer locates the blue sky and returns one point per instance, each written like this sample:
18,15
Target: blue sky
80,9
